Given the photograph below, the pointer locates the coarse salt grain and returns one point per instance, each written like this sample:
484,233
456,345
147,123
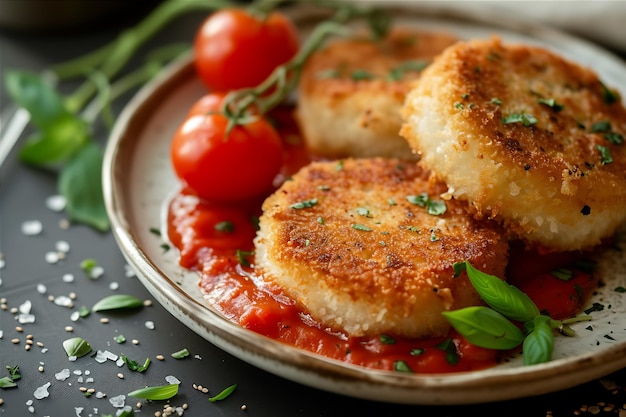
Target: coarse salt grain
62,246
56,203
118,401
63,301
171,379
68,278
149,325
32,227
42,392
114,286
62,375
52,257
41,289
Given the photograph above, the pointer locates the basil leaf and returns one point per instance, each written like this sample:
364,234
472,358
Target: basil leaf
36,96
225,393
501,296
539,343
76,346
7,382
484,327
164,392
80,183
117,302
134,365
61,139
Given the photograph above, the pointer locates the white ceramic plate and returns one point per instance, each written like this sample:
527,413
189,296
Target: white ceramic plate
138,180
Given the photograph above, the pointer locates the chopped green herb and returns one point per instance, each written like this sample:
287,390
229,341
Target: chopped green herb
523,118
402,366
242,257
320,220
87,265
84,311
417,351
563,274
224,394
594,307
448,346
551,103
135,366
614,138
391,202
361,227
496,101
601,126
165,247
328,73
225,226
117,302
458,106
605,155
398,72
120,339
620,289
608,96
164,392
304,204
14,372
76,346
433,207
155,231
7,382
387,340
361,75
183,353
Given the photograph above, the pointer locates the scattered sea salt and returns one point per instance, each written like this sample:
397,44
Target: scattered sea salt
26,318
171,379
52,257
118,401
56,202
2,262
68,278
62,375
42,392
114,286
62,246
129,271
150,325
120,362
63,301
125,410
32,227
41,289
25,307
77,372
78,411
99,394
75,316
72,358
96,272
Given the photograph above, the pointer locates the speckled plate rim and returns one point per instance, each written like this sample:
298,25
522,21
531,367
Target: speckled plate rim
137,179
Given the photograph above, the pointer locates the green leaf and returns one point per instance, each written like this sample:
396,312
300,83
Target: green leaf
117,302
539,343
164,392
484,327
7,382
501,296
80,183
183,353
225,393
134,365
35,95
58,142
76,346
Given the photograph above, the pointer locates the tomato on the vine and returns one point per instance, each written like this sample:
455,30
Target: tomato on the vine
235,49
221,167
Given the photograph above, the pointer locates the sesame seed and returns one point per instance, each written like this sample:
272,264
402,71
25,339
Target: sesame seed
72,295
29,337
120,375
40,344
29,341
91,390
104,320
26,347
244,407
19,329
15,341
147,303
135,342
160,357
82,389
69,329
40,369
1,401
139,404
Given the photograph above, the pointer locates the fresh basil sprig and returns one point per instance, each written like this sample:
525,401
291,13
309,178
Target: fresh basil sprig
493,327
163,392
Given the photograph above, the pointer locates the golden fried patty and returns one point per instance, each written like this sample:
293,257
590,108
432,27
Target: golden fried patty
529,138
355,244
351,92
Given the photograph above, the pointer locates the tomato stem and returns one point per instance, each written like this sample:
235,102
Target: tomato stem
239,105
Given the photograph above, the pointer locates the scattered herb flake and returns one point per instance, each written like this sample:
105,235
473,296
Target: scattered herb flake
387,340
363,228
76,347
224,394
117,302
164,392
402,366
304,204
225,227
524,118
183,353
134,365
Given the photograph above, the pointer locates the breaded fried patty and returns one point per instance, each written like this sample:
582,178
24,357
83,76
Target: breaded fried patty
368,247
351,92
528,137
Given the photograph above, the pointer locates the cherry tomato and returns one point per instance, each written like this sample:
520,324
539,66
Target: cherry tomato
234,49
217,167
209,103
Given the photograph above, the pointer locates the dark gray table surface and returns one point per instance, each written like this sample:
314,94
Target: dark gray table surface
26,275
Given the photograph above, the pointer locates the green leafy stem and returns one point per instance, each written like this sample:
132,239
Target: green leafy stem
497,326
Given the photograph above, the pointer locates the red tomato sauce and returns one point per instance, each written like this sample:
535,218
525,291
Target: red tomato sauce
223,255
